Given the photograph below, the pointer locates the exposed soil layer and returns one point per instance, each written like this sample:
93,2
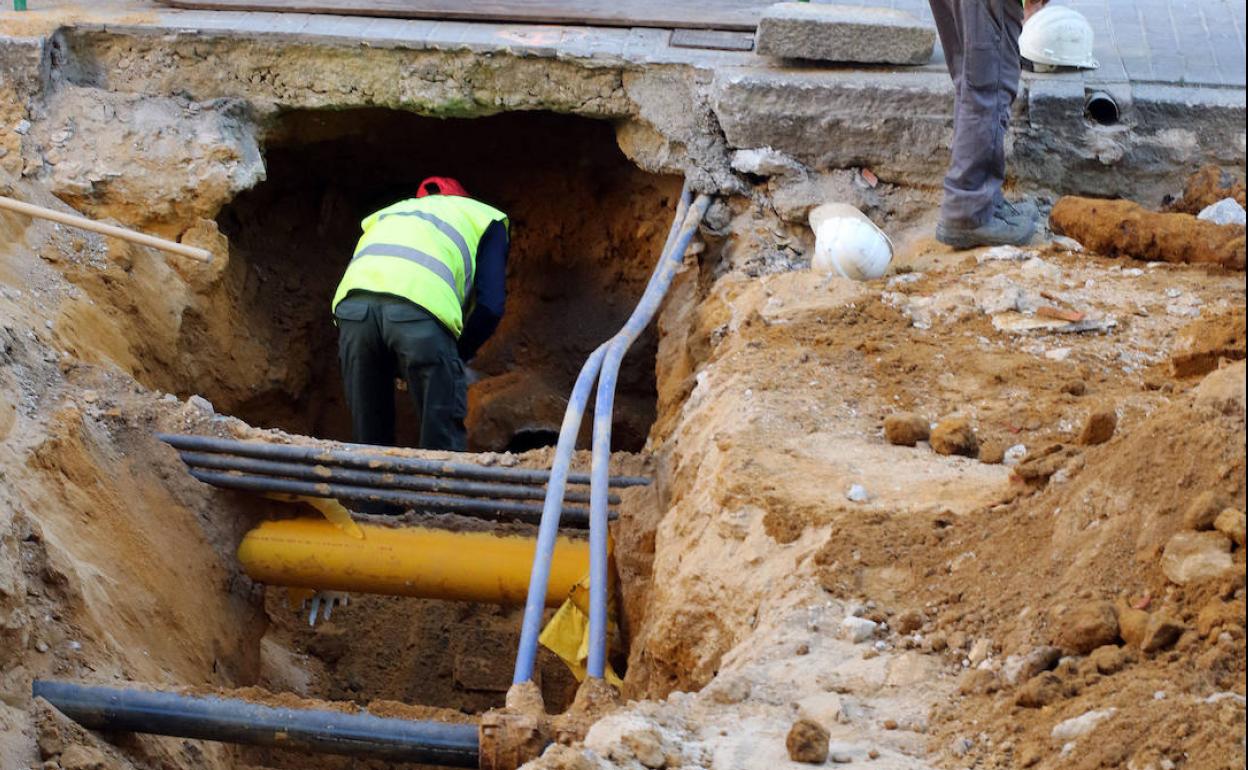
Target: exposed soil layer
572,279
1123,228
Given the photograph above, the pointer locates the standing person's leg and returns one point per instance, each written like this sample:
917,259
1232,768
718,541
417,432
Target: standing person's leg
985,83
367,370
948,17
429,361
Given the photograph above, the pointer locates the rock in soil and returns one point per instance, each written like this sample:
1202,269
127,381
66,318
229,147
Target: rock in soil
1230,522
1021,669
1193,556
1081,725
954,436
1149,632
1099,427
905,429
807,742
857,630
1086,627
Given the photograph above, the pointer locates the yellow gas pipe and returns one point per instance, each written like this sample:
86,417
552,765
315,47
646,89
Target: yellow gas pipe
407,561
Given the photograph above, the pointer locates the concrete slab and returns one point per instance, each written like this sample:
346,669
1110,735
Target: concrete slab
839,33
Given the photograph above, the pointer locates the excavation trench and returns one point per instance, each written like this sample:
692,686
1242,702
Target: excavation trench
587,227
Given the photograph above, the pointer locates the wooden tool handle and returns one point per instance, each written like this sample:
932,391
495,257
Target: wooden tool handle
29,209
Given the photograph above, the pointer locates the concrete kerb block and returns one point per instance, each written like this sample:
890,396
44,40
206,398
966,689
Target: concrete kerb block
841,33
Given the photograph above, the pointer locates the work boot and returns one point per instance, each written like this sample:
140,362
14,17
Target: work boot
1006,227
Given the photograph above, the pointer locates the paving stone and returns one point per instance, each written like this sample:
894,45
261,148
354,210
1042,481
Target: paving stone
844,34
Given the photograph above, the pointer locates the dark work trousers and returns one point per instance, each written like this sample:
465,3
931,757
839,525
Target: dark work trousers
980,40
381,337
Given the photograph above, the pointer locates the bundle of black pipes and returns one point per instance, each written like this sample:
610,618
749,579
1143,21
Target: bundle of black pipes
355,474
231,720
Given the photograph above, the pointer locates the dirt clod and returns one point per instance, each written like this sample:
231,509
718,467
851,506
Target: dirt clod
1040,691
1099,427
807,742
905,429
1086,627
1207,186
955,436
1230,522
978,681
1204,510
1149,632
1202,344
908,622
1109,659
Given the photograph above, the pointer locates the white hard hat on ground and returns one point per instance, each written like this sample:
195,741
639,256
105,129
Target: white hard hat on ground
848,244
1057,36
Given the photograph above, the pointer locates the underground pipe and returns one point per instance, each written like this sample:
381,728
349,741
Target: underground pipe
378,479
232,720
1102,108
421,562
495,510
82,223
526,653
352,458
604,404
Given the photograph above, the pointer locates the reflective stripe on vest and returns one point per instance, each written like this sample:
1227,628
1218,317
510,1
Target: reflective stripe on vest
427,261
450,232
423,250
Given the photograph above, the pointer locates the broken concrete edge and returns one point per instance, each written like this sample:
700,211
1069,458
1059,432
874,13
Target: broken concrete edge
848,34
688,118
589,46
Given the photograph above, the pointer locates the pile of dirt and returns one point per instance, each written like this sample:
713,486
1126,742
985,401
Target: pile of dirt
1087,562
1124,228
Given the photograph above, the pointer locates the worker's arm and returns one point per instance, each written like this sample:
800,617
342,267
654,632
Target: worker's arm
490,283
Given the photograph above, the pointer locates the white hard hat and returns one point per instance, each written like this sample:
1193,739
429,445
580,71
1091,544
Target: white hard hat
848,243
1057,36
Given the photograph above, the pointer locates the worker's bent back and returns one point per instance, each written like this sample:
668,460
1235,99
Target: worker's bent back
423,250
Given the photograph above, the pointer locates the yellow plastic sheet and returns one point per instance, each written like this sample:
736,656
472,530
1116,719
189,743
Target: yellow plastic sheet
567,634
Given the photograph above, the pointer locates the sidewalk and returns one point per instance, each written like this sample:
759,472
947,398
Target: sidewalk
1162,42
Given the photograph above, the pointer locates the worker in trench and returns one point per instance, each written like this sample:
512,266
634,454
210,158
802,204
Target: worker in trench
424,290
980,41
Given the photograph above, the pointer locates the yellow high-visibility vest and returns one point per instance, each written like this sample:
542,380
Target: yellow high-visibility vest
423,250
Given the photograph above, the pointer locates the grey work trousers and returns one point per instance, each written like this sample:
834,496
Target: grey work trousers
380,336
980,40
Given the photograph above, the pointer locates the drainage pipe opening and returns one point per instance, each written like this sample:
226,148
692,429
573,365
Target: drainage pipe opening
1101,108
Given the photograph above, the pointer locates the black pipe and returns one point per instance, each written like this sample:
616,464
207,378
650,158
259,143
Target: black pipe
230,720
494,510
376,462
359,478
1102,108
